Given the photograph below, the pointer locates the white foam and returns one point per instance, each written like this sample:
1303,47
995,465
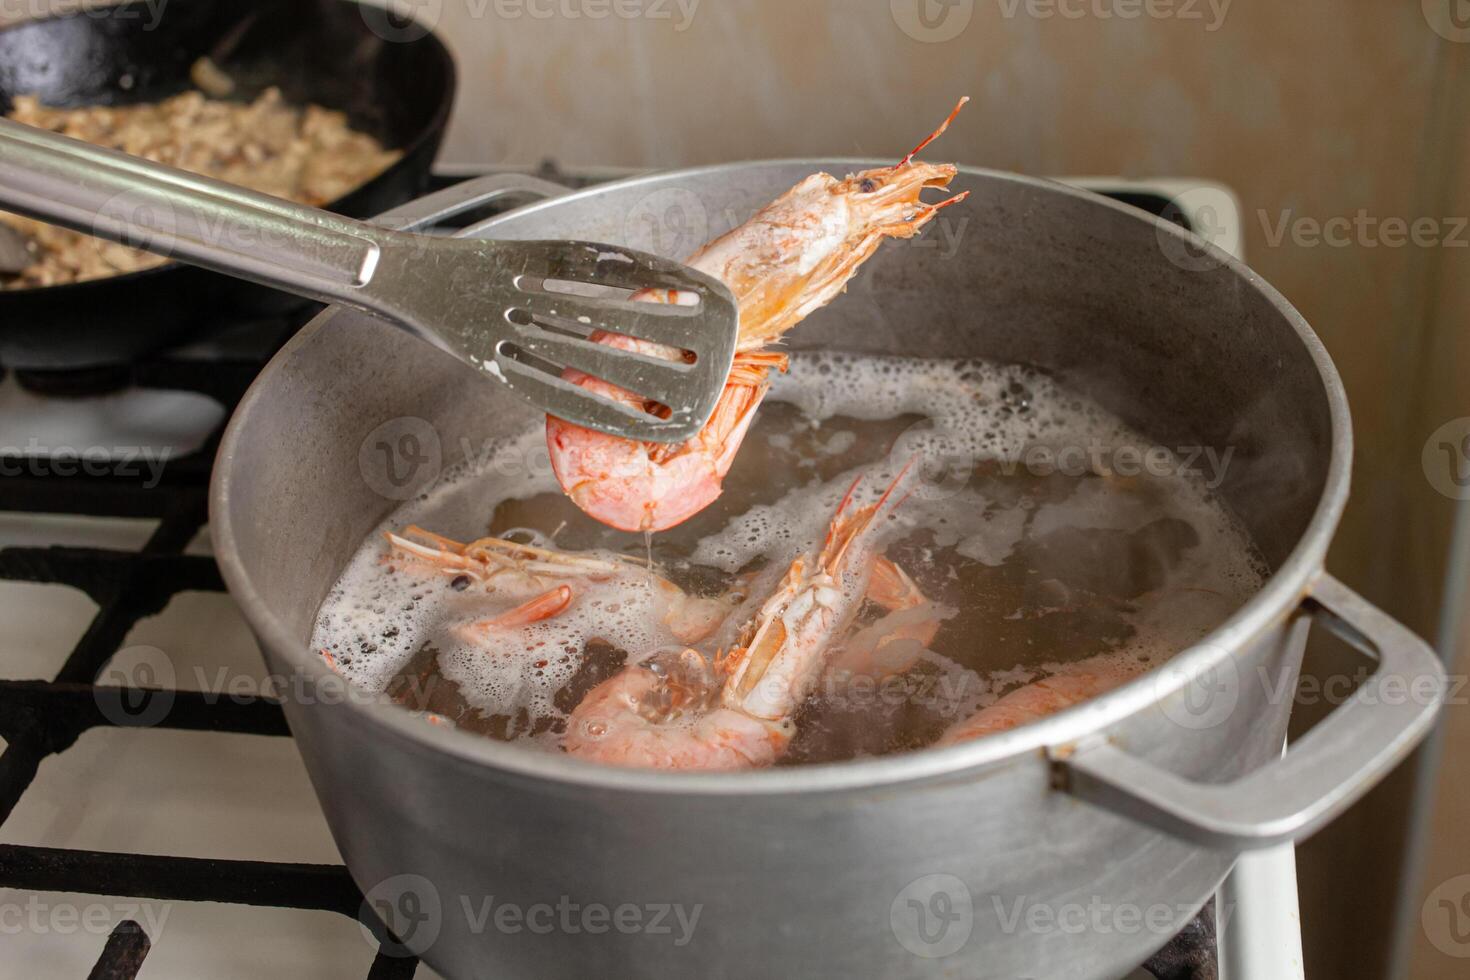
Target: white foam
976,415
383,610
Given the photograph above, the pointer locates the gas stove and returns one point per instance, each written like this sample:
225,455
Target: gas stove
152,812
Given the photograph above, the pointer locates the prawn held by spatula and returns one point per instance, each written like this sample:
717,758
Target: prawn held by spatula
791,258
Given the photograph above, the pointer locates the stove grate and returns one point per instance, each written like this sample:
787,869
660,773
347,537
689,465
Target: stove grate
39,719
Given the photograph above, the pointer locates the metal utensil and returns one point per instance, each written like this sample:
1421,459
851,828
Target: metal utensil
15,251
520,311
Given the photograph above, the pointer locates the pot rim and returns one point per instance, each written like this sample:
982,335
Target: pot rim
1279,598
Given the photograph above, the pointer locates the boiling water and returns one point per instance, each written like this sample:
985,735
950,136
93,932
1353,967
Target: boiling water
1045,530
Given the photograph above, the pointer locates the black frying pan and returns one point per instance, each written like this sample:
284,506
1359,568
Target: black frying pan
322,51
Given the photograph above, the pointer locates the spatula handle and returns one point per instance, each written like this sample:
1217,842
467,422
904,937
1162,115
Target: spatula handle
181,215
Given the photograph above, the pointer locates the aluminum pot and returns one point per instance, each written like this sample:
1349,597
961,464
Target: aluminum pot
1073,847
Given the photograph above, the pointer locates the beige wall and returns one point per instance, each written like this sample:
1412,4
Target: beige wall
1311,109
1438,954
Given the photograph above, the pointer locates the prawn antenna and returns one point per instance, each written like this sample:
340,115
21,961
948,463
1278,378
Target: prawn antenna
947,202
937,133
894,485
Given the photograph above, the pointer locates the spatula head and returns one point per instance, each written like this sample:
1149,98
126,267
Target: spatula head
566,290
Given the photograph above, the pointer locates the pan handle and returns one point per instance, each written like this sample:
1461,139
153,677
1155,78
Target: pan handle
1322,773
465,196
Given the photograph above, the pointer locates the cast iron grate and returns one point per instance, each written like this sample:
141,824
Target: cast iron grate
39,719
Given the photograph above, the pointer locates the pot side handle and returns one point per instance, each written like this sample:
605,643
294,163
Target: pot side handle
1321,774
465,196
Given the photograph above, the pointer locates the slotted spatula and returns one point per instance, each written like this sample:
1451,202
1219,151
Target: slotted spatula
520,311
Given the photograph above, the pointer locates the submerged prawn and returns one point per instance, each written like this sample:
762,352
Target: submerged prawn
548,581
792,258
1069,686
681,710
